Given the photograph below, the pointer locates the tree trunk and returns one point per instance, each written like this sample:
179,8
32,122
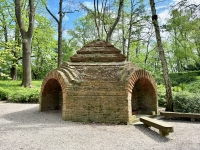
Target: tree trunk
4,26
26,40
60,33
121,4
97,17
169,106
123,34
59,22
130,31
13,72
147,53
26,63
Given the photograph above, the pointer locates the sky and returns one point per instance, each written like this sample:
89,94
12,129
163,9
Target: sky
162,6
164,10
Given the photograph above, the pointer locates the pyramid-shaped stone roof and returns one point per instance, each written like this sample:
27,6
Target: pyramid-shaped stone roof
98,51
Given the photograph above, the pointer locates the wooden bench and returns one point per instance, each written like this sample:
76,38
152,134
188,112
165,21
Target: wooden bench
163,127
192,116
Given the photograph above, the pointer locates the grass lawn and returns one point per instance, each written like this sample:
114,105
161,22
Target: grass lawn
13,92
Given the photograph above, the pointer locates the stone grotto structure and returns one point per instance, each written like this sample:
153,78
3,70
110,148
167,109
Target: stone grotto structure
98,85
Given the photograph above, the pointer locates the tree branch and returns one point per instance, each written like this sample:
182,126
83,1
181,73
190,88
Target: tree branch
31,18
54,17
19,17
121,3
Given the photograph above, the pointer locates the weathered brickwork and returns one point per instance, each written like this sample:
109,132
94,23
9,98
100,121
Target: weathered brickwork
93,88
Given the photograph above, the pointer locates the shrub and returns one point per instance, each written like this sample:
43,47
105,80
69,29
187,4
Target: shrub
187,102
176,89
13,92
161,95
194,87
182,77
158,78
3,94
28,96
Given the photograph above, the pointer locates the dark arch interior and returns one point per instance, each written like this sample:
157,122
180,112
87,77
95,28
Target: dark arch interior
51,96
143,99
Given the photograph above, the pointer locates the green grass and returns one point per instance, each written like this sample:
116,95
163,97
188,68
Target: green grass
13,92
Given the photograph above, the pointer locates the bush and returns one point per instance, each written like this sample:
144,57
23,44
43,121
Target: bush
13,92
182,77
158,78
3,94
161,95
30,96
186,102
194,87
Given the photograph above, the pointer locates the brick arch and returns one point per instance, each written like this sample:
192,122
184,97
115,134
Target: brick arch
142,93
53,83
139,74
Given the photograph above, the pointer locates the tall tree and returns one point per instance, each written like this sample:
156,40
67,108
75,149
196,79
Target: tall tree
59,21
112,27
135,25
105,18
61,12
26,39
169,106
183,26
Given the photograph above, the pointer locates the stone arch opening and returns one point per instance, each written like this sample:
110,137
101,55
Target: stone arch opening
52,97
143,98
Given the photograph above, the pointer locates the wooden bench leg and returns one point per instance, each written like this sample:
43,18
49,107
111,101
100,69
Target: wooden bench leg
146,125
163,133
192,119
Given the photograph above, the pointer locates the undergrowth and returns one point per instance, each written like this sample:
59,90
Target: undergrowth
186,96
13,92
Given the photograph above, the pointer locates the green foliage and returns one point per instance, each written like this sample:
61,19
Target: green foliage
3,93
177,89
159,78
67,51
161,95
187,102
43,48
43,57
194,86
13,92
186,94
183,26
183,77
194,67
84,31
7,58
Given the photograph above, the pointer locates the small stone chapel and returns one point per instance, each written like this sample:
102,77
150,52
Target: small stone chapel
98,85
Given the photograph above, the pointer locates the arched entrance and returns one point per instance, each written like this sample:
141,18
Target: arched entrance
51,98
144,98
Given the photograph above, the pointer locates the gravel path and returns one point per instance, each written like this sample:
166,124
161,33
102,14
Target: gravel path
23,127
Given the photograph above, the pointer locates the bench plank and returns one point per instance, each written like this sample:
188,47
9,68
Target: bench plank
164,128
192,116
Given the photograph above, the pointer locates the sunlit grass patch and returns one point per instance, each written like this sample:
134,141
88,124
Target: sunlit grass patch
13,92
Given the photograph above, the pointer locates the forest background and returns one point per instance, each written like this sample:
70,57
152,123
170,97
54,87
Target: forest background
78,22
